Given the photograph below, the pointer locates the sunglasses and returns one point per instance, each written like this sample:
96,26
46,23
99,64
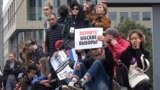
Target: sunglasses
75,9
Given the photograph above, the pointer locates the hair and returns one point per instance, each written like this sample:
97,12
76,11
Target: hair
13,53
75,4
44,69
80,13
31,67
33,42
139,33
48,5
104,7
63,11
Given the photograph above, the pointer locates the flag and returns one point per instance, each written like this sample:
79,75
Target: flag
71,53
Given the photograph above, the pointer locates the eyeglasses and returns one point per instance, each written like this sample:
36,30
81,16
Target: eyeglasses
75,9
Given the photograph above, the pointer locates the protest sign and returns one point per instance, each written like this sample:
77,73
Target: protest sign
86,38
60,62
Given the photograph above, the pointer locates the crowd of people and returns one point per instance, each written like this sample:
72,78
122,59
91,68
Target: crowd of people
120,64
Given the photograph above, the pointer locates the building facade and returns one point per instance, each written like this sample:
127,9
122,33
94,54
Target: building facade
142,15
1,34
22,21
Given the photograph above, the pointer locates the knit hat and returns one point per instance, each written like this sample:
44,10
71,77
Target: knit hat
58,44
112,31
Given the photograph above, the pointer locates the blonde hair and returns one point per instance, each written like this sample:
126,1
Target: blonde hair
48,4
104,7
44,68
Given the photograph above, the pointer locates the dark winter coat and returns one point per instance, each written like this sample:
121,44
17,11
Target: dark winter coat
79,22
53,34
37,54
14,71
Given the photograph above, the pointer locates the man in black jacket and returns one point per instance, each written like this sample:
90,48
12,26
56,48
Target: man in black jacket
11,71
53,34
95,73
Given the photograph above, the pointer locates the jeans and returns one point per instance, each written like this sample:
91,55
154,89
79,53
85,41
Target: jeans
99,78
10,84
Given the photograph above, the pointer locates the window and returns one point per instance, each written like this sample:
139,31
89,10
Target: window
113,15
146,16
56,4
124,15
135,15
34,10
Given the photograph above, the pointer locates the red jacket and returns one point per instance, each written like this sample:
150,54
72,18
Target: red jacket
118,48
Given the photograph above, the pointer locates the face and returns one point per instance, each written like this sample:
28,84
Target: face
47,11
100,10
135,40
108,37
75,10
11,57
97,53
32,73
30,49
52,20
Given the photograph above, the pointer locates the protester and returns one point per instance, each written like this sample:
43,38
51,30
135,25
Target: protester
88,9
94,73
100,19
25,82
48,9
136,59
25,54
76,21
36,51
115,43
41,82
53,34
11,71
63,11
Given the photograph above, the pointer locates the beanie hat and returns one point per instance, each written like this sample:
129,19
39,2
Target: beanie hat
58,44
112,31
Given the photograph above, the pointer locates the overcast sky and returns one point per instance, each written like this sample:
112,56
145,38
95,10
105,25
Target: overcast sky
4,3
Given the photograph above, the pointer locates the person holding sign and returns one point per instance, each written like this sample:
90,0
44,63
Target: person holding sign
115,42
94,73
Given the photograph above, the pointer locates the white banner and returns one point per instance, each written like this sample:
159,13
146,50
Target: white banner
86,38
